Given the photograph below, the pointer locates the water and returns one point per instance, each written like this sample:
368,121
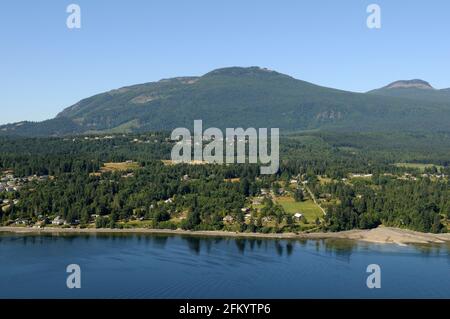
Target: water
157,266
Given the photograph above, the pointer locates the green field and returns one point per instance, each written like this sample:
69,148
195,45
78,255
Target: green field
421,167
308,208
123,166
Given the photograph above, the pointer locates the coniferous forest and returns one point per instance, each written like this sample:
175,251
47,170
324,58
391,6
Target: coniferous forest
327,181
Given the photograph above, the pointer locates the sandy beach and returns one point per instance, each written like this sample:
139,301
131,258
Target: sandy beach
381,235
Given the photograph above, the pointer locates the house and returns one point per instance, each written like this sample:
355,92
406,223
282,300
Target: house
245,209
21,221
39,224
361,175
298,216
257,201
168,201
58,221
266,219
228,219
248,216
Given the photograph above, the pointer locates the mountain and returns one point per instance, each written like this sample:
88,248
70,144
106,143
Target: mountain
410,84
241,97
414,89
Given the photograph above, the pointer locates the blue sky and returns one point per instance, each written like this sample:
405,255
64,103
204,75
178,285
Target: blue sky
45,67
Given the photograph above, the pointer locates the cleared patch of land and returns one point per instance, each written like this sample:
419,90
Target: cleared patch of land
308,208
193,162
419,166
117,167
232,180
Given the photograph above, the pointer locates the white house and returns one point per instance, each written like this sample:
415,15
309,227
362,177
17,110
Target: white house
228,219
58,221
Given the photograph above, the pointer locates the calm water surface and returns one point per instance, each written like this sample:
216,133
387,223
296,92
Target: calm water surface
157,266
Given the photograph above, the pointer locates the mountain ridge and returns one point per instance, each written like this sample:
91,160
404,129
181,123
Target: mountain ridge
415,89
415,83
244,97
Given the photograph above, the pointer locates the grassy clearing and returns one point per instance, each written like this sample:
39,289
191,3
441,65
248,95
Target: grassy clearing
137,224
419,166
193,162
308,208
232,180
324,180
114,167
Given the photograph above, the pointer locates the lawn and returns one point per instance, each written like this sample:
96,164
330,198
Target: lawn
419,166
324,180
232,180
124,166
308,208
137,224
192,162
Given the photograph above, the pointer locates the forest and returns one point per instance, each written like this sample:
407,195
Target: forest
346,180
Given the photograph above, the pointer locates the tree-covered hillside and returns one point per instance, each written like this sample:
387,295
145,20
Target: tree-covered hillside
239,97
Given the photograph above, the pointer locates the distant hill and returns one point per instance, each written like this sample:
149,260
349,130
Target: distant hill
244,97
418,90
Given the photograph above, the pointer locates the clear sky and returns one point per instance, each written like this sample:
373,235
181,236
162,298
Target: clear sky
45,67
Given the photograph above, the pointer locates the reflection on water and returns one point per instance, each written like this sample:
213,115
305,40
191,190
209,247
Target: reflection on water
341,248
168,266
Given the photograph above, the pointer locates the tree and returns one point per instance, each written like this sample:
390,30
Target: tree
299,196
437,225
192,220
245,187
289,220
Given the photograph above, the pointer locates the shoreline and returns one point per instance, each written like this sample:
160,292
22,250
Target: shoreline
380,235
